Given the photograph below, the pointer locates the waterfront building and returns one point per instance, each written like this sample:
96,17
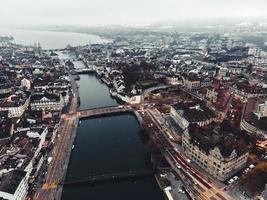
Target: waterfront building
220,153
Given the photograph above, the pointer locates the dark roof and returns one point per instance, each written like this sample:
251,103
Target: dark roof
194,111
250,116
207,138
10,181
5,127
49,96
246,87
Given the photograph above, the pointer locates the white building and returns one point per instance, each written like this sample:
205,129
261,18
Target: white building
47,101
26,83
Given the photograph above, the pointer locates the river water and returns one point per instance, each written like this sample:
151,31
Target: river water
107,145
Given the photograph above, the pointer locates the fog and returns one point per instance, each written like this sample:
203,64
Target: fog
124,12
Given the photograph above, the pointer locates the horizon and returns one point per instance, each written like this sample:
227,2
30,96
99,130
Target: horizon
94,13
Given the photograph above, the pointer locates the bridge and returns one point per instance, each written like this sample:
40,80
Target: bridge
49,50
69,59
111,177
85,70
103,111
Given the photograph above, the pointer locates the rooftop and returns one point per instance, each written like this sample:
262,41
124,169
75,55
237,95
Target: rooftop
251,117
194,111
209,137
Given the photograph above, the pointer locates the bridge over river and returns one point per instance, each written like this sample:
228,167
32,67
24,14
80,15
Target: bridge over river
110,177
96,112
53,185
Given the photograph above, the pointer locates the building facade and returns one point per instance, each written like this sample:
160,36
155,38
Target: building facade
213,162
51,102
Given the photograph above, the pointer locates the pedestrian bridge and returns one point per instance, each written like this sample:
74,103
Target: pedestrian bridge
111,177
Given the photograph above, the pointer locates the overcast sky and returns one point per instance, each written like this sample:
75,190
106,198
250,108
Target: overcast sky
106,12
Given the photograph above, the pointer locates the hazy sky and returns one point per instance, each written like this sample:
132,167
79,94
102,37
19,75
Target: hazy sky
103,12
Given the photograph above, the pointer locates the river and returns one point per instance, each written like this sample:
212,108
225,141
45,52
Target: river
106,145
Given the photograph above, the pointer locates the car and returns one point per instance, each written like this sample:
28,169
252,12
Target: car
247,170
188,160
181,190
178,166
163,175
231,181
235,178
251,166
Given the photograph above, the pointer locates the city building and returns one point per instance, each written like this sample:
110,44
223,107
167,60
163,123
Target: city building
254,119
191,112
6,126
192,82
47,101
15,104
26,84
220,153
17,162
244,90
5,87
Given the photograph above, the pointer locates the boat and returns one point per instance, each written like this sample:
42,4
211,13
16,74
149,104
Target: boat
113,93
72,147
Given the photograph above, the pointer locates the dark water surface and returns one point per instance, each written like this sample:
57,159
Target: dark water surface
107,145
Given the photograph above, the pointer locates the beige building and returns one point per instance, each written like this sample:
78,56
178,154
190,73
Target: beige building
26,83
215,152
212,95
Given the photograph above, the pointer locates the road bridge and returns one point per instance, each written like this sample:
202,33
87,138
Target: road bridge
95,112
85,70
49,50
